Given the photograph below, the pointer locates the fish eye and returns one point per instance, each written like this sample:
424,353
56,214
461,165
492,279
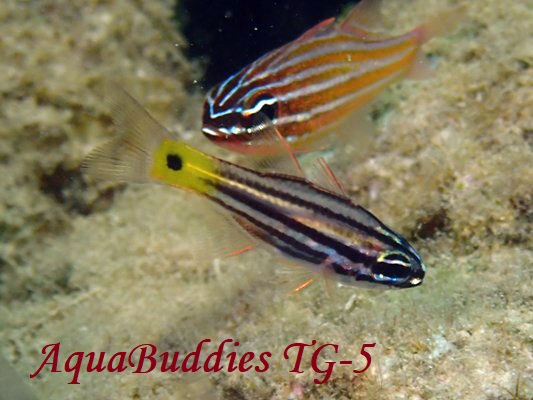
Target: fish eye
394,266
265,104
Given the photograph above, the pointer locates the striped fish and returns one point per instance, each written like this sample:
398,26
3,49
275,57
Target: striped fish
308,86
290,215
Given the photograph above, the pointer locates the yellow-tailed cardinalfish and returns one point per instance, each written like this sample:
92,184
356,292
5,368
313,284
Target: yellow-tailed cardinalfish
309,85
300,220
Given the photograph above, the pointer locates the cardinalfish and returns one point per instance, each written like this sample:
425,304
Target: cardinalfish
309,85
300,220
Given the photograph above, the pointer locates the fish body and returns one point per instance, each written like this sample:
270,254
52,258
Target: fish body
309,85
300,220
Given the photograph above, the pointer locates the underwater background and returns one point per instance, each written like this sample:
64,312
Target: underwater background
106,267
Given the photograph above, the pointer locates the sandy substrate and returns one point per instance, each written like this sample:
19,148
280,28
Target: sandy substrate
105,268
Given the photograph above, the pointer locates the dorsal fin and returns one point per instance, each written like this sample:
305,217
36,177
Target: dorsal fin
363,20
329,180
318,28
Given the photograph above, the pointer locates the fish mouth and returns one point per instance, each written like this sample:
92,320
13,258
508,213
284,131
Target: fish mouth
224,135
213,133
415,280
232,142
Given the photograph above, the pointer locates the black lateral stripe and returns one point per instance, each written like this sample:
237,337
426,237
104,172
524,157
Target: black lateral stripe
330,213
289,245
349,252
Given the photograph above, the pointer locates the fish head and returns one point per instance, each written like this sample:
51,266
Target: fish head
234,120
399,267
379,257
392,268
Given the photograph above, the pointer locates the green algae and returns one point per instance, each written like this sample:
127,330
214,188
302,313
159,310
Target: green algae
105,268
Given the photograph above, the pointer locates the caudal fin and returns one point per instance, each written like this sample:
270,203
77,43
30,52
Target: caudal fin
128,157
441,24
445,22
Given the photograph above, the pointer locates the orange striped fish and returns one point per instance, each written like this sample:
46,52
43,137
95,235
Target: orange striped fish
309,85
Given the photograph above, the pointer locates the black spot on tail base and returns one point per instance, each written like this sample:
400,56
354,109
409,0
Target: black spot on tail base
174,162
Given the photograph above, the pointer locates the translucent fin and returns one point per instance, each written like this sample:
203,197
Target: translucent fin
325,177
303,285
128,157
248,228
420,69
279,157
360,121
363,20
356,129
328,280
220,237
240,251
274,163
295,278
315,30
441,24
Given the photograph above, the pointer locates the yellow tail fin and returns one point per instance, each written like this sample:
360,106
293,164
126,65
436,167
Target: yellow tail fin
144,151
128,157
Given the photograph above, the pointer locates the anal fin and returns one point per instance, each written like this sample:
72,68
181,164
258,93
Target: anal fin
218,237
300,277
